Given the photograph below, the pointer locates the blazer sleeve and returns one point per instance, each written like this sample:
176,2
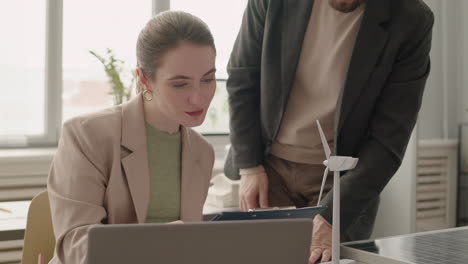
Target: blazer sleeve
243,87
76,187
390,128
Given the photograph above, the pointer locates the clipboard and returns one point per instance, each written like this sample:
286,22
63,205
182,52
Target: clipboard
269,214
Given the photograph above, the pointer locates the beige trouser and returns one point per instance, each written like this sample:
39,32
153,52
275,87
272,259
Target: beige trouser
292,183
298,184
295,184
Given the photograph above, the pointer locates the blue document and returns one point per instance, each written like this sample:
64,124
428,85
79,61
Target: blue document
264,214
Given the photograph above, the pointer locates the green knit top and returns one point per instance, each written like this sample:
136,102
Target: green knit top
164,160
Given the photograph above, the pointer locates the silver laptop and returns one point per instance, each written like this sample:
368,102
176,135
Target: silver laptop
230,242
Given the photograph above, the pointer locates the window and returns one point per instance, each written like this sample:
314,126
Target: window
97,26
49,76
224,26
22,71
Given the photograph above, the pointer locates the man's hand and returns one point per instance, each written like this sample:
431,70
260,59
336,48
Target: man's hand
253,188
321,241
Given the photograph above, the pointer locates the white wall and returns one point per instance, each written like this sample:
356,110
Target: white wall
446,95
444,104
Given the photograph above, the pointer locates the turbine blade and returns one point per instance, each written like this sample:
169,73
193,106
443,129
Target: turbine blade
324,141
325,174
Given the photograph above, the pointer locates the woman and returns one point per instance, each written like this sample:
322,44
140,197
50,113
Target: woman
140,162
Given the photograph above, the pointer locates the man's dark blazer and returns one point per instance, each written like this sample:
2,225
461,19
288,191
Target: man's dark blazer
377,107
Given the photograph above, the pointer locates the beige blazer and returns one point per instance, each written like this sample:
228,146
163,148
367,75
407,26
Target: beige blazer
100,175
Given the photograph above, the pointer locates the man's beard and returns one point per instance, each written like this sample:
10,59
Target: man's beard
345,6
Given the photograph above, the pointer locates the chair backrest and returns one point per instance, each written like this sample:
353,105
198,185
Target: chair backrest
39,235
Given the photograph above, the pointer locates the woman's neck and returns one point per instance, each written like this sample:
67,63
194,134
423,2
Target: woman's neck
157,119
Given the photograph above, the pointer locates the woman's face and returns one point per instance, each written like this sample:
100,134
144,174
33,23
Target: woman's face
185,84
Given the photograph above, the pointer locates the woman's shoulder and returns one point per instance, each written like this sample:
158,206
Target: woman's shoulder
97,131
97,135
105,119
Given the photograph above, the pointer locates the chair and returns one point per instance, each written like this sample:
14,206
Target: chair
39,235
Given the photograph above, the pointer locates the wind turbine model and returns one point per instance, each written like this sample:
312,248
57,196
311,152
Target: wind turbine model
335,164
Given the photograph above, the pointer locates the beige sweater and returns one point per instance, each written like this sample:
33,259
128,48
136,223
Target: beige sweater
321,73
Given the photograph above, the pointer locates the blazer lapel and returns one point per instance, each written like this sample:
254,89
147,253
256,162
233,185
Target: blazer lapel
296,16
370,42
135,164
190,195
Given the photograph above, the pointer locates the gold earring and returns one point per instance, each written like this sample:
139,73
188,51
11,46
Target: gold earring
147,95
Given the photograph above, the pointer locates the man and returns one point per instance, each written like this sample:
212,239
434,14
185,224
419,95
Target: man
358,66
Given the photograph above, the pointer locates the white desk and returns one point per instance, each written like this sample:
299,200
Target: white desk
13,216
12,224
442,246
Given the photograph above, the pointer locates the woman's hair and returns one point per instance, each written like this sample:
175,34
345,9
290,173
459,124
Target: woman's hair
165,32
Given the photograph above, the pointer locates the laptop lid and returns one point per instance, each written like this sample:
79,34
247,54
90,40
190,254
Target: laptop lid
229,242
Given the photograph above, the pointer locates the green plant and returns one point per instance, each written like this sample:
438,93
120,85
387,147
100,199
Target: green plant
114,71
